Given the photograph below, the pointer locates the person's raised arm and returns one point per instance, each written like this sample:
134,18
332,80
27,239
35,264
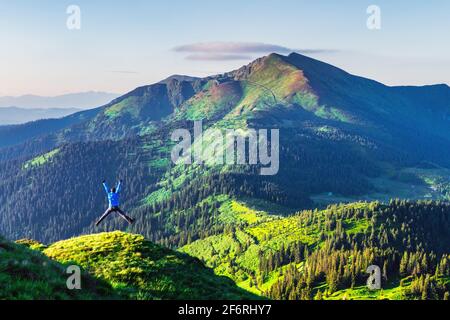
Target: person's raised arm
118,186
105,186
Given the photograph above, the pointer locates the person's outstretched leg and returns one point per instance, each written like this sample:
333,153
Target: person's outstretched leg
124,216
107,213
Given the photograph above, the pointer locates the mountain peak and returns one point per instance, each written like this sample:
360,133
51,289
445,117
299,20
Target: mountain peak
258,65
180,78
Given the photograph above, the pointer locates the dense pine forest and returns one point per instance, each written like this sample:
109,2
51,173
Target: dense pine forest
407,240
325,254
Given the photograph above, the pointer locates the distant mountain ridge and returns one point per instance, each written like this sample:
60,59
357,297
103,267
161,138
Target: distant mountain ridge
15,115
81,100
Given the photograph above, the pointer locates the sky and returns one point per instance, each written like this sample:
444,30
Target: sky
121,45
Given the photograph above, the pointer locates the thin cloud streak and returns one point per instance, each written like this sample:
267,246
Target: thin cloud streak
231,47
227,51
315,51
217,57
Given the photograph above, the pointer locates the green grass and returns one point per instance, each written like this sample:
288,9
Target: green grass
238,213
236,254
216,100
271,82
363,293
125,106
41,160
140,269
391,291
27,274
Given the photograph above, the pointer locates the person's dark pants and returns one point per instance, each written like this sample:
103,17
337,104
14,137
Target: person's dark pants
117,210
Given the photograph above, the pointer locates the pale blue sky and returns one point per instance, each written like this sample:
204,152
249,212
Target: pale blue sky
125,44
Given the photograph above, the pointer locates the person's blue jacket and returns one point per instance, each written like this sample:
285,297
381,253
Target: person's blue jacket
113,197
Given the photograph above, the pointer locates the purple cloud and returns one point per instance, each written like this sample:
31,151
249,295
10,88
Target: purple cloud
220,51
232,47
217,57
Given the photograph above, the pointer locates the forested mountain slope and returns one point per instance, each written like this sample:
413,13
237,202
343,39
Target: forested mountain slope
342,138
325,254
310,255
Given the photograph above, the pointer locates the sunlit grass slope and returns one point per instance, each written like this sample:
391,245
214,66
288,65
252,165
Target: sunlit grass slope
140,269
27,274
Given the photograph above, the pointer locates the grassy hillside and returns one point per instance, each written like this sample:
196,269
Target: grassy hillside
324,254
139,269
27,274
213,103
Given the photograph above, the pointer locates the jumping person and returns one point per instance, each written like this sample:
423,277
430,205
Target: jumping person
114,203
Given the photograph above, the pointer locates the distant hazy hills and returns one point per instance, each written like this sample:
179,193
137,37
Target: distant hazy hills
14,115
22,109
82,100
